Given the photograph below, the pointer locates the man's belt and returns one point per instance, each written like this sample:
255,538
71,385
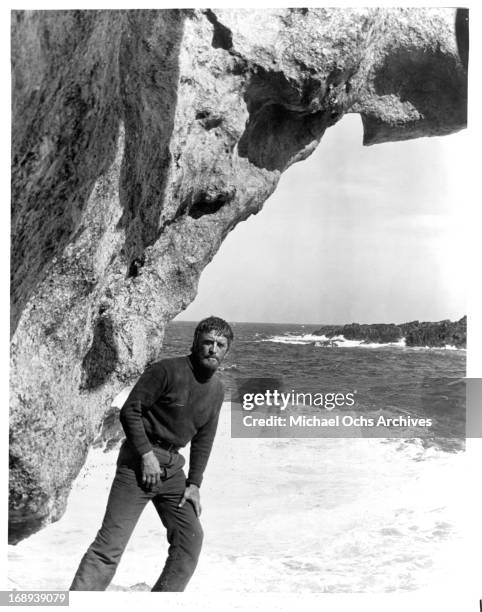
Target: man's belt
165,445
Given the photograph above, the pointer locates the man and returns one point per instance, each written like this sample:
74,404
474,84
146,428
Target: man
175,401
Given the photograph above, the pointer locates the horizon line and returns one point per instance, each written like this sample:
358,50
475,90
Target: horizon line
318,324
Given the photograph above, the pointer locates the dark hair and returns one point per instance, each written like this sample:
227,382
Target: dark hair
214,324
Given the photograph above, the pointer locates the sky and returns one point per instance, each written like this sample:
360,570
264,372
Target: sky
368,234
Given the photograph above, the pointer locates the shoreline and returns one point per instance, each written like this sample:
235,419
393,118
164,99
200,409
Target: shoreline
280,515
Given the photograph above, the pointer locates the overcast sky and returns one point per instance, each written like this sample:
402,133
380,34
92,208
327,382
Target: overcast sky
353,233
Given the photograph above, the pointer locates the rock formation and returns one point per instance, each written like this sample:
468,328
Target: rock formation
441,333
416,333
377,332
140,139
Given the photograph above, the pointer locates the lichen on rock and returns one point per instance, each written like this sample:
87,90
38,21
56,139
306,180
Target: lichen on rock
140,139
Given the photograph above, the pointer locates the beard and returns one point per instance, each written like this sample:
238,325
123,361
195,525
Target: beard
209,363
205,365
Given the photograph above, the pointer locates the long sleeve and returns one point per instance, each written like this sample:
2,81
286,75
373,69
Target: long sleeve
147,389
201,446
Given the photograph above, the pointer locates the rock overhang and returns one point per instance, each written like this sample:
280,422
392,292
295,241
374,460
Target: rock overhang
140,139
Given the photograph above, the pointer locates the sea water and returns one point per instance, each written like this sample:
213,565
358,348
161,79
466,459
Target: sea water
387,381
295,515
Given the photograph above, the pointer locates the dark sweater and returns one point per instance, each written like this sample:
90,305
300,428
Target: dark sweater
173,403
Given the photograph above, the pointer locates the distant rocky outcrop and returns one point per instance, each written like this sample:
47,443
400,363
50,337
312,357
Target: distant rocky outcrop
377,332
141,138
442,333
416,333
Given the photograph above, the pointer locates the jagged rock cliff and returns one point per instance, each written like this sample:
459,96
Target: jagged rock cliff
376,332
416,333
140,140
441,333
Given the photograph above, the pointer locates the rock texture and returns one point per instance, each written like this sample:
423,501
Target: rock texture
376,332
453,333
140,139
416,333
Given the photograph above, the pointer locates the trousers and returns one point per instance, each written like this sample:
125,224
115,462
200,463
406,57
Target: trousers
127,499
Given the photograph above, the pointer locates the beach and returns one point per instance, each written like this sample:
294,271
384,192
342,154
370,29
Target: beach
284,515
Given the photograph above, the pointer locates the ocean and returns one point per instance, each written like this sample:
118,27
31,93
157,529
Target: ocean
289,351
387,379
299,515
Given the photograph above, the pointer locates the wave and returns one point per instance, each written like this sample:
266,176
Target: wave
413,501
290,338
340,341
233,366
325,342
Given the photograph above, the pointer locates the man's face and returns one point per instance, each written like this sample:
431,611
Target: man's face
210,349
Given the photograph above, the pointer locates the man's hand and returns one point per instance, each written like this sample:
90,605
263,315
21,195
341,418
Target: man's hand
191,494
151,470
